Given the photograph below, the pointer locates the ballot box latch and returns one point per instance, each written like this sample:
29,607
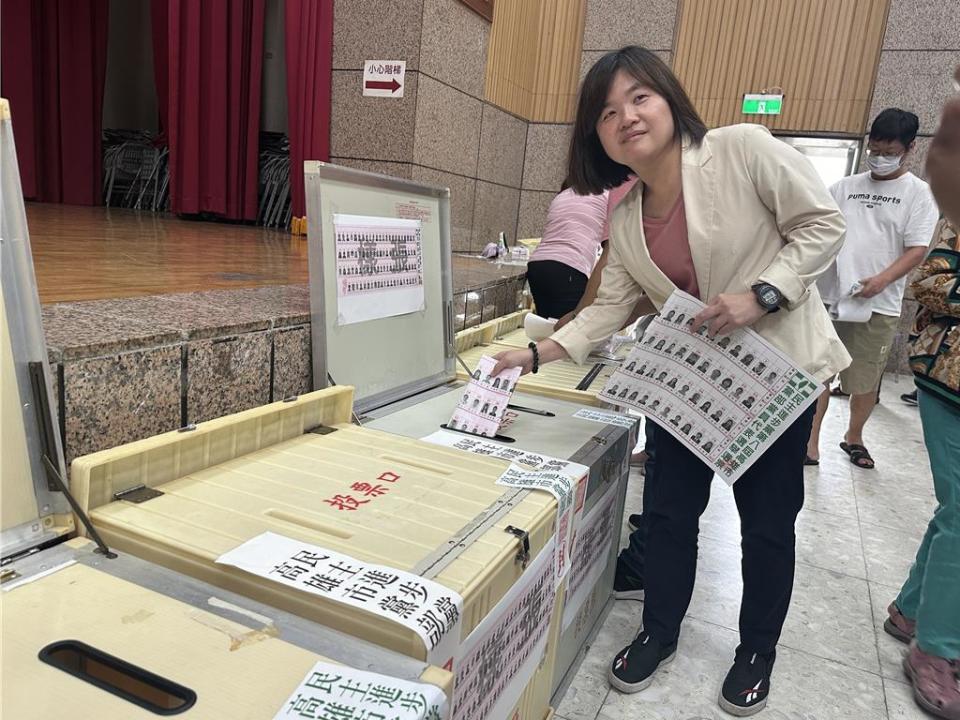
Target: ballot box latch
523,555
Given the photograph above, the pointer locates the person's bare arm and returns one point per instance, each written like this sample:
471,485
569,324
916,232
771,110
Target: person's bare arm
549,350
897,269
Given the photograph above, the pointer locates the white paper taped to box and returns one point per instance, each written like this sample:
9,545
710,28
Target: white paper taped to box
430,609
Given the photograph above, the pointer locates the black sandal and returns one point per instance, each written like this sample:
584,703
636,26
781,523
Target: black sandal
859,456
809,461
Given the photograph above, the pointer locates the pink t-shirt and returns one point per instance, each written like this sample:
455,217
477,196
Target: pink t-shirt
572,234
669,248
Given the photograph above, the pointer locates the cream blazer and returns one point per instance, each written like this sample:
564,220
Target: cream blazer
756,211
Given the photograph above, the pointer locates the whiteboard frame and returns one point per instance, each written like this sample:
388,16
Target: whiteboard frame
321,246
21,303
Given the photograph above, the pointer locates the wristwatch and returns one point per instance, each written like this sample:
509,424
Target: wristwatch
768,296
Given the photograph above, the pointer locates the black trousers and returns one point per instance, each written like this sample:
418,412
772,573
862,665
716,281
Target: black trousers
556,288
769,496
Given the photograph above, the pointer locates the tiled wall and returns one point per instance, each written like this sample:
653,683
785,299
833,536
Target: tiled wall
921,48
131,368
609,25
442,131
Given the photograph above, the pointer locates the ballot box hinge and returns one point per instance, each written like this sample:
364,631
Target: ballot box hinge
443,556
523,554
138,494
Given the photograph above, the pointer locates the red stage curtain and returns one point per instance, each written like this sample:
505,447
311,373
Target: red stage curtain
53,55
159,19
309,37
214,61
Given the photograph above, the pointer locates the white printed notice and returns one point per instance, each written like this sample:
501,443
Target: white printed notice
532,460
338,692
379,267
483,403
591,547
426,607
726,398
500,656
605,417
563,488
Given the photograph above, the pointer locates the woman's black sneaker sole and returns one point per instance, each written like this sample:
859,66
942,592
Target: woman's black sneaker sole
737,710
636,687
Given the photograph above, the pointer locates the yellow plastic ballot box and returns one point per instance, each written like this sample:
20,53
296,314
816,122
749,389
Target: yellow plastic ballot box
183,499
85,635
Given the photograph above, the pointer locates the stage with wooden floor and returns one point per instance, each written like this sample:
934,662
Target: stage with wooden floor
92,253
153,322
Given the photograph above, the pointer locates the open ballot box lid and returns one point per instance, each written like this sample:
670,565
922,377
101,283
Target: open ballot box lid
89,629
33,510
381,286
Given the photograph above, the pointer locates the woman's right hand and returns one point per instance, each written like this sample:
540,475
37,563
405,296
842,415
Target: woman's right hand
507,359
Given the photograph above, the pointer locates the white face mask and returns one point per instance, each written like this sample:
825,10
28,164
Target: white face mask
882,166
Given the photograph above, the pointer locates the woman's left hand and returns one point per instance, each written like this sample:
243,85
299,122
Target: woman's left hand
726,313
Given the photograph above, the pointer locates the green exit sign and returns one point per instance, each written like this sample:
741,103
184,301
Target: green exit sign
762,104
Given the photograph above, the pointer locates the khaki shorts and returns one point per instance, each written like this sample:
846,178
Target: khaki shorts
869,345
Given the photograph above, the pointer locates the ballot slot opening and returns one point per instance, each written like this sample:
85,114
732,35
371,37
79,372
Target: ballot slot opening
119,677
501,438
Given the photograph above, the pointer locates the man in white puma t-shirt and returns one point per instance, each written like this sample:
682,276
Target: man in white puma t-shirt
890,215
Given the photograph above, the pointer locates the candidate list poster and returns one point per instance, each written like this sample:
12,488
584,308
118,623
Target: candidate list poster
727,398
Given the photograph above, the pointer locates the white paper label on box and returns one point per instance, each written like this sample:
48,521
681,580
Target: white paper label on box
500,656
426,607
591,547
607,418
339,692
531,460
727,399
563,487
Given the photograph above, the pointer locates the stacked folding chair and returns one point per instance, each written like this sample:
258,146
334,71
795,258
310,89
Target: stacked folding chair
274,191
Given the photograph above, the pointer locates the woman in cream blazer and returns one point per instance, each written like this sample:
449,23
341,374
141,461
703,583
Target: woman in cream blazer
758,227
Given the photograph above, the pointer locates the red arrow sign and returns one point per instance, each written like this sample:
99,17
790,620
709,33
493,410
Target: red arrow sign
392,85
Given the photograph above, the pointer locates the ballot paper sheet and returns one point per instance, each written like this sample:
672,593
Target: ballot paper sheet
482,404
726,398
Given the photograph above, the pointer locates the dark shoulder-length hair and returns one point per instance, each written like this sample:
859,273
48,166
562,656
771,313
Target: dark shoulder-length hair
590,169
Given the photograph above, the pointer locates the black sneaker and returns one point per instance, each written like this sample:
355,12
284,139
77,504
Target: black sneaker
747,685
626,584
910,398
634,521
633,668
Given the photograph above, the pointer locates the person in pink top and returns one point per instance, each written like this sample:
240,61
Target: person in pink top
561,265
589,293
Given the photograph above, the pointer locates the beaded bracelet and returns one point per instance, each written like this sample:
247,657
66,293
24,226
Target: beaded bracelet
536,357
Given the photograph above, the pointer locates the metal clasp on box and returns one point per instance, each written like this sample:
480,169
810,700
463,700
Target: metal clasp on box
523,555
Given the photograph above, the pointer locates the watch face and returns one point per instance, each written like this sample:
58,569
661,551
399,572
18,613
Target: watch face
769,296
